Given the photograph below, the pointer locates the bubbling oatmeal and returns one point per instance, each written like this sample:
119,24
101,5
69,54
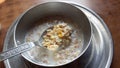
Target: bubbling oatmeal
58,36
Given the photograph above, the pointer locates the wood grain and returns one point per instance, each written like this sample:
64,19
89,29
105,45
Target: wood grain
109,10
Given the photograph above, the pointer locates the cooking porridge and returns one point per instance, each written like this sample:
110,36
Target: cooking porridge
62,35
57,36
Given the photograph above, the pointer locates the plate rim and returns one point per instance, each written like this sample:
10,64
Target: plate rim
110,58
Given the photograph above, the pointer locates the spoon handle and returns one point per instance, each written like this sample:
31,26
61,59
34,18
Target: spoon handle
15,51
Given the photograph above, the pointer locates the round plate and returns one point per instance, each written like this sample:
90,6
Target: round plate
98,55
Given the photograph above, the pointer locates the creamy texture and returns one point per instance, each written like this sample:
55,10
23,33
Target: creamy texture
60,57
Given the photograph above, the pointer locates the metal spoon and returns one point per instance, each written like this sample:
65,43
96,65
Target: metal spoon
22,48
27,46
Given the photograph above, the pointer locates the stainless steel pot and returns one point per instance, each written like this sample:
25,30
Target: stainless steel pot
29,18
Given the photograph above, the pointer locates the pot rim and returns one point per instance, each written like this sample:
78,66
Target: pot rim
23,54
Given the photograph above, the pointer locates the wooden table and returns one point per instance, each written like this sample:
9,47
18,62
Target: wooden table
109,10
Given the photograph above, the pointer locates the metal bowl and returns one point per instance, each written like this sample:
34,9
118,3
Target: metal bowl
49,9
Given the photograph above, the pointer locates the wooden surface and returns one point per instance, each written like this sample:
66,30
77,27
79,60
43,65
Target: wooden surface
109,10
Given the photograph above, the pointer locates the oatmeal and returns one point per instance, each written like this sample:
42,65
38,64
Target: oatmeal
59,34
56,36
